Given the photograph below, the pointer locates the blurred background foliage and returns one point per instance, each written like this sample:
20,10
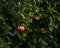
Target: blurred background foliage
16,12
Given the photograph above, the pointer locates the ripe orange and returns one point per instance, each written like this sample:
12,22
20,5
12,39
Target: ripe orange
35,18
42,29
21,28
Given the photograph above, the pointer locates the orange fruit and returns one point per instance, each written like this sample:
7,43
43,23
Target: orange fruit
21,28
35,18
42,29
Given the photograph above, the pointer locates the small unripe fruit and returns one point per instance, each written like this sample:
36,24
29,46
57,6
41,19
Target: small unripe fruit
21,28
42,29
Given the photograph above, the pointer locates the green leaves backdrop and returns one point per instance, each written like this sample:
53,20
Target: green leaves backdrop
16,12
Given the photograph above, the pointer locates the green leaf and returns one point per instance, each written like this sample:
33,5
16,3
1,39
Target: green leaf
18,35
45,43
51,29
39,40
21,36
23,16
58,18
43,46
23,9
32,46
10,33
51,20
51,36
56,26
7,27
34,39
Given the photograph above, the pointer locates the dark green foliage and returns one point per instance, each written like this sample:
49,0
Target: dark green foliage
16,12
